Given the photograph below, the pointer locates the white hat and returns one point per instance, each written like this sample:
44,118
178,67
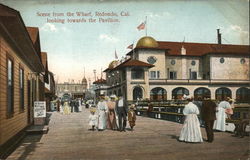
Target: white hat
112,96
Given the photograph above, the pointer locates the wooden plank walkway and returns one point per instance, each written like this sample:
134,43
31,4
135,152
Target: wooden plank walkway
69,138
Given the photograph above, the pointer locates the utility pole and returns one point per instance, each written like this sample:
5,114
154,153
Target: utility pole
94,74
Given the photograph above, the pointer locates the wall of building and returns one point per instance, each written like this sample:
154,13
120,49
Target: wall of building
160,60
183,66
11,126
231,69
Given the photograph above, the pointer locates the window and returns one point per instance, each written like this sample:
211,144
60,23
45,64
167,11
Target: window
173,62
10,87
193,63
172,75
222,60
193,75
137,73
21,88
155,74
151,59
242,61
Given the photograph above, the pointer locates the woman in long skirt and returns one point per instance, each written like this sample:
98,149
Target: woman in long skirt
220,122
111,113
102,109
191,131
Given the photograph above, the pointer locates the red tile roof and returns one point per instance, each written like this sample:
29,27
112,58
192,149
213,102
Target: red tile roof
100,81
199,49
133,63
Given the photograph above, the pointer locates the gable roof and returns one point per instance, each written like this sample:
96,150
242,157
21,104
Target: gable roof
133,63
15,32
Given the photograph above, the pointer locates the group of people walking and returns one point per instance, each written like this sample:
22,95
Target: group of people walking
112,114
68,107
213,116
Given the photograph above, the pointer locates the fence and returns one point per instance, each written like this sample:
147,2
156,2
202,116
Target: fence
172,110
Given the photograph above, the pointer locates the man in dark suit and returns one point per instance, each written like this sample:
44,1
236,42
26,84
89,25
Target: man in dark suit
208,115
122,110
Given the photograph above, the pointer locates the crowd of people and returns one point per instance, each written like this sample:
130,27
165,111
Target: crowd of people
112,114
67,107
213,117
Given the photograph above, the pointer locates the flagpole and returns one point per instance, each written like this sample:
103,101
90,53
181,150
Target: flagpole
146,23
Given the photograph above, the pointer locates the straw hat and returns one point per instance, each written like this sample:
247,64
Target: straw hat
113,96
92,109
132,106
230,99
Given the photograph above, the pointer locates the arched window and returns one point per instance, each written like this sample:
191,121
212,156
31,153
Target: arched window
119,92
158,94
201,92
178,93
222,93
243,95
137,93
137,73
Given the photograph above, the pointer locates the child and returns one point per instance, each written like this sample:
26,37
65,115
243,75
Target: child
131,116
92,119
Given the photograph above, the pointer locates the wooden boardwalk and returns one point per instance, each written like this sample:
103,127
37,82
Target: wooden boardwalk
69,138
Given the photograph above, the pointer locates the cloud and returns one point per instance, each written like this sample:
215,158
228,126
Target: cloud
158,15
49,27
244,35
108,38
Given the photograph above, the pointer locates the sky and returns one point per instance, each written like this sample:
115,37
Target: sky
74,47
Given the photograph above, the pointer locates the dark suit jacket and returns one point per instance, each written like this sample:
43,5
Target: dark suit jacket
124,108
208,110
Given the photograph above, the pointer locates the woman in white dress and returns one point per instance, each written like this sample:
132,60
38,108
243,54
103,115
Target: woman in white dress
66,109
102,109
220,122
191,131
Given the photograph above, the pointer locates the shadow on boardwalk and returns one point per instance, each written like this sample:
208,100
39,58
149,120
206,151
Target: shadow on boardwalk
69,138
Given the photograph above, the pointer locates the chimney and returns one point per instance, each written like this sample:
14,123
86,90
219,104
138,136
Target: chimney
219,36
183,51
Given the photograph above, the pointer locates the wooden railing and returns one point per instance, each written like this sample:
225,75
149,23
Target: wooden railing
173,110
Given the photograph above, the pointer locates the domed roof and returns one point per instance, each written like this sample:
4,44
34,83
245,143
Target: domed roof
148,42
113,64
84,80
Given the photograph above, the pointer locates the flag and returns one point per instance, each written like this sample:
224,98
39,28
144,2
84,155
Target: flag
130,46
141,26
116,57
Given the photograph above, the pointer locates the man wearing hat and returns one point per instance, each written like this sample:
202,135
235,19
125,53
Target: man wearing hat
208,115
102,109
122,110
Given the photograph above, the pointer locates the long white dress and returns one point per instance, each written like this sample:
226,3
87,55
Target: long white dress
220,122
80,106
102,109
191,131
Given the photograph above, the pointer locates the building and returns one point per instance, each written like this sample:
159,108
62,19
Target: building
49,82
160,70
21,76
100,87
76,90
